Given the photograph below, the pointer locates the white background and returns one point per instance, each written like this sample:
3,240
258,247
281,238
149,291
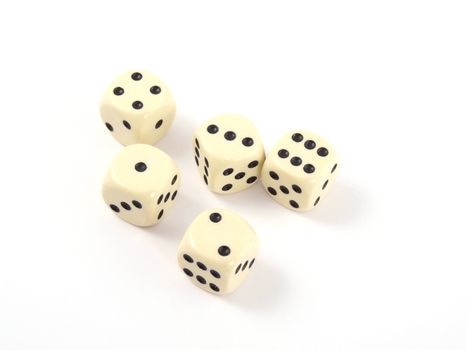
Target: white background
380,264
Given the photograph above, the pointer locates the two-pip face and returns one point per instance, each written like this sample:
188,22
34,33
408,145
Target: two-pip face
299,170
137,108
218,250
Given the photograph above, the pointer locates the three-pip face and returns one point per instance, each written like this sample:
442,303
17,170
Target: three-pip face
137,108
141,185
218,250
299,170
229,153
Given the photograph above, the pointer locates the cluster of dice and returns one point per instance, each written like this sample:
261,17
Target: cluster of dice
219,247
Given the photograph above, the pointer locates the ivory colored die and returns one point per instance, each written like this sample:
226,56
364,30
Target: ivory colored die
137,108
229,153
299,170
141,184
218,250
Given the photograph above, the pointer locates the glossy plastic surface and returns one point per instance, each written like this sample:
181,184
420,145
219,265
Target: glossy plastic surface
299,170
218,251
137,107
229,153
141,184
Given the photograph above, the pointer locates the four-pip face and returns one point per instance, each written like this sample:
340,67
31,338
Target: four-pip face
229,153
137,108
299,170
218,250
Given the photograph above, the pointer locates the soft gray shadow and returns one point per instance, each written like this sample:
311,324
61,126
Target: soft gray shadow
253,199
344,205
177,142
262,291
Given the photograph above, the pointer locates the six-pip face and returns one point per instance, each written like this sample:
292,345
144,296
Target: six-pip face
218,250
299,170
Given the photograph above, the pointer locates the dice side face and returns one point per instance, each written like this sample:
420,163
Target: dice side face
299,170
141,185
229,153
129,206
218,250
137,108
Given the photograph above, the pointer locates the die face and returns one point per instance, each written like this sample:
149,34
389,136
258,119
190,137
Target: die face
213,248
299,170
141,184
137,108
128,206
229,153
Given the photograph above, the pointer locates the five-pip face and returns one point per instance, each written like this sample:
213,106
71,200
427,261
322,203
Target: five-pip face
229,153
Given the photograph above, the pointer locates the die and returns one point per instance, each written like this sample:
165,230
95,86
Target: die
218,250
229,153
141,184
299,170
137,108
